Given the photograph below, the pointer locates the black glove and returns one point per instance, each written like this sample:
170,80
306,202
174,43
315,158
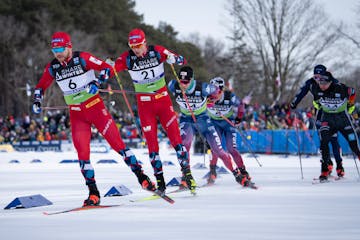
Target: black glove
292,105
93,87
237,121
38,96
36,107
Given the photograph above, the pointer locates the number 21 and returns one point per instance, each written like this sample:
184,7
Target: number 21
146,74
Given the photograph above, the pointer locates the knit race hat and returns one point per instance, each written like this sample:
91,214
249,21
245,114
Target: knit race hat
218,81
186,73
320,69
136,37
60,39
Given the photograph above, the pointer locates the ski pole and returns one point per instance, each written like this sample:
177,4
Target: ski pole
298,143
357,168
123,92
55,107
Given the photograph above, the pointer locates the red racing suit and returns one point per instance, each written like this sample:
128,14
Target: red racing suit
73,78
154,102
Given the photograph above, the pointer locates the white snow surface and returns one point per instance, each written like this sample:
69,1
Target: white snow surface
284,207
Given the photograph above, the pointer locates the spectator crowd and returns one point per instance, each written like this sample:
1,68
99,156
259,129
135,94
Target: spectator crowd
54,125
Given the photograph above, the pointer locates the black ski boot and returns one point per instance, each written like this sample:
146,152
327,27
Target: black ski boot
340,170
241,179
190,182
161,187
94,196
212,175
324,171
145,181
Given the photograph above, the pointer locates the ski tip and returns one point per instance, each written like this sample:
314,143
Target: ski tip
252,186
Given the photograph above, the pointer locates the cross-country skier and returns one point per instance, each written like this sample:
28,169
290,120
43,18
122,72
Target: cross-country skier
74,72
310,85
192,97
334,99
145,64
228,107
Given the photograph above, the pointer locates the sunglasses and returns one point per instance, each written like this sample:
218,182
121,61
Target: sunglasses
58,50
184,81
136,46
323,82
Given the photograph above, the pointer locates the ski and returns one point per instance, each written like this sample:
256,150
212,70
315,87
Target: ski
252,185
81,209
179,190
144,199
330,179
165,197
154,197
207,185
317,181
183,189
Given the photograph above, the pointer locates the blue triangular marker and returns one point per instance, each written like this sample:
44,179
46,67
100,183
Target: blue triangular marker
28,202
118,191
174,181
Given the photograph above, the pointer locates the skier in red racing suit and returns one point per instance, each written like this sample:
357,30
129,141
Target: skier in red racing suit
74,73
145,64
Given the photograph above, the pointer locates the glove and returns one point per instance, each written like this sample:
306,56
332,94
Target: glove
292,105
237,121
180,60
171,59
38,96
104,75
93,87
36,107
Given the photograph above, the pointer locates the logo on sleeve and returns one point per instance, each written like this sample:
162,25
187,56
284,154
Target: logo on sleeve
95,60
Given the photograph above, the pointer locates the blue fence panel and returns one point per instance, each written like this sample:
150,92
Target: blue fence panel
279,142
310,142
284,142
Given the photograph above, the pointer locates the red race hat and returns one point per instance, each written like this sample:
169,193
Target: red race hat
136,37
60,39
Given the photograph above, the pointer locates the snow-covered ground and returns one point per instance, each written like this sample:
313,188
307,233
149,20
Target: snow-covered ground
284,207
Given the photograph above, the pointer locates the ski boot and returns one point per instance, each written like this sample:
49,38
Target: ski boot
190,182
244,172
340,170
183,184
241,179
94,196
330,167
145,181
212,175
324,171
161,187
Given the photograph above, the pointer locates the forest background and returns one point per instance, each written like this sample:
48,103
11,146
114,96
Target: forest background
275,45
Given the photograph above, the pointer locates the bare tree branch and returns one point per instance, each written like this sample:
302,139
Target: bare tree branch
289,36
